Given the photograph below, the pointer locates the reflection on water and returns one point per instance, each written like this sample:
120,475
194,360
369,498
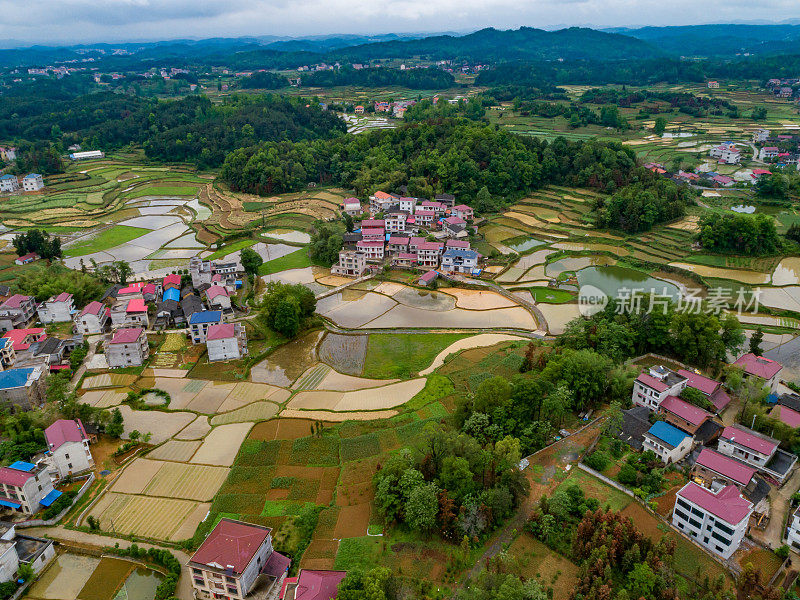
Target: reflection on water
576,263
525,245
140,585
787,272
612,280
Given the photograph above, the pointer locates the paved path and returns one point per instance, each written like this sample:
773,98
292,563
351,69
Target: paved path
339,288
779,500
184,590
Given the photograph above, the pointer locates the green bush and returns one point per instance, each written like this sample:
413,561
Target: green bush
598,460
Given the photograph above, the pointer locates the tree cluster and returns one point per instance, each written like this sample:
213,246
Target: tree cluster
639,207
42,283
263,80
286,307
38,241
735,233
326,241
415,79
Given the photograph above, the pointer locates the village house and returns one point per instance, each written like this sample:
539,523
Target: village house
713,470
7,354
651,389
32,182
351,264
373,251
218,298
405,259
314,585
168,312
395,221
9,183
760,136
226,341
438,208
668,442
690,418
455,227
463,211
17,312
171,294
793,530
428,254
716,520
407,204
713,390
92,319
26,488
726,153
352,207
127,348
768,152
373,224
397,244
149,292
21,339
712,84
8,153
758,367
723,181
87,155
57,309
459,260
171,281
190,304
446,199
462,244
428,278
229,271
199,323
230,560
17,549
49,350
381,202
26,259
424,217
131,291
200,271
68,450
372,234
23,387
130,313
757,450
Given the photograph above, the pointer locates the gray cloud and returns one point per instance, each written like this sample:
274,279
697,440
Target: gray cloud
42,21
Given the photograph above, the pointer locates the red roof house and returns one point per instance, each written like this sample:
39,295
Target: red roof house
126,335
759,366
63,431
737,434
314,585
21,339
726,466
221,331
231,545
727,504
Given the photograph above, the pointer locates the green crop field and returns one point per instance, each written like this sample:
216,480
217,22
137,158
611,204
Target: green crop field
108,238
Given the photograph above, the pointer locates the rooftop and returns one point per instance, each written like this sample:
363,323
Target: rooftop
62,297
126,335
750,439
93,308
11,476
758,366
216,290
19,337
726,466
789,416
205,316
221,331
64,430
231,545
727,504
15,301
667,433
136,305
686,411
14,378
699,382
318,585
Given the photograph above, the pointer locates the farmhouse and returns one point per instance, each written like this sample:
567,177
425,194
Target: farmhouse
21,339
16,550
351,206
226,341
92,319
726,153
231,559
716,520
397,244
9,183
668,442
373,251
428,253
407,205
351,264
32,182
314,585
768,152
455,227
199,323
130,313
714,470
7,354
651,389
710,388
127,348
757,450
463,211
23,387
635,423
16,312
460,261
381,202
689,418
756,366
218,299
26,259
57,309
395,221
87,155
26,487
67,448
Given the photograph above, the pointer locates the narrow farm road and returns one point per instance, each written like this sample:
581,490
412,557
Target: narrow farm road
779,500
555,457
79,538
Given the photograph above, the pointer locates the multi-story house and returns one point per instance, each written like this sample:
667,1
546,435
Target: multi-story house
227,565
459,261
226,341
651,389
455,227
446,199
726,153
760,368
428,254
373,224
9,183
683,415
395,221
130,313
424,217
463,211
127,348
372,234
713,390
57,309
668,442
397,244
714,470
32,182
372,250
25,488
461,244
17,312
199,323
438,208
92,319
381,202
352,207
218,298
7,354
716,520
768,152
757,450
68,448
23,387
200,270
407,205
351,264
760,135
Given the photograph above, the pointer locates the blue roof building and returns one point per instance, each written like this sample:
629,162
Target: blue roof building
14,378
460,260
668,442
205,317
172,294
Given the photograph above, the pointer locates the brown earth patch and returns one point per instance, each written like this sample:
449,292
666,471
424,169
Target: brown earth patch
353,521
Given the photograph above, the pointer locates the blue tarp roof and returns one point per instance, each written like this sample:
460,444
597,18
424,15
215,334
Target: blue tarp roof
667,433
198,318
21,465
14,378
9,503
172,294
50,498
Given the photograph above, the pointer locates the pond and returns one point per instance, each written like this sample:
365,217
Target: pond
140,585
612,280
525,245
746,209
576,263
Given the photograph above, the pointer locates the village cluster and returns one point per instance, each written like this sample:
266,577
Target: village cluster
409,233
733,468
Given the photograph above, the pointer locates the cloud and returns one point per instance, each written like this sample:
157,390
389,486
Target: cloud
42,21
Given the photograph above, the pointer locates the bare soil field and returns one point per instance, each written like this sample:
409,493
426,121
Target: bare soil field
162,425
281,429
478,299
257,411
106,380
321,415
194,430
104,398
175,450
387,396
221,445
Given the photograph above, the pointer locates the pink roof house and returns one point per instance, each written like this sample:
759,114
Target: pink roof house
730,468
727,504
313,585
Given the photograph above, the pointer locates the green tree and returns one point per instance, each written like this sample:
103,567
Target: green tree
326,241
422,506
251,261
116,427
491,393
642,581
755,341
287,317
660,125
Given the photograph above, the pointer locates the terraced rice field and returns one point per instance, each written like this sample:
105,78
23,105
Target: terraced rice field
258,411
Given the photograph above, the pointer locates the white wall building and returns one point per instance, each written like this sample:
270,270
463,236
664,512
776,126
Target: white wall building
351,264
726,153
226,341
57,309
127,348
68,448
32,182
651,388
717,521
92,319
9,183
668,442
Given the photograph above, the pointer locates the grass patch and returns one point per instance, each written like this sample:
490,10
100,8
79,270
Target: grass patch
392,355
550,295
296,260
358,553
108,238
230,248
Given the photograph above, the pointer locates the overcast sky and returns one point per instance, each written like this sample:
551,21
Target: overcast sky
77,21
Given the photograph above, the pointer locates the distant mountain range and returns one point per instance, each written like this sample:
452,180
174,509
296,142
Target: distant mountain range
487,45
